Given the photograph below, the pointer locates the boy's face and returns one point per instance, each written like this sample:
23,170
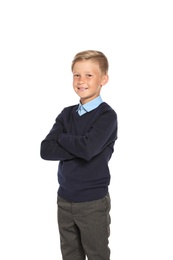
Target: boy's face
88,80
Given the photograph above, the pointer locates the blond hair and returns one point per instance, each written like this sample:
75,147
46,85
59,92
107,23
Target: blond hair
96,56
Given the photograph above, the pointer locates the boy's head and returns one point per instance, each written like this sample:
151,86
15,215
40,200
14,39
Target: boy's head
95,56
89,70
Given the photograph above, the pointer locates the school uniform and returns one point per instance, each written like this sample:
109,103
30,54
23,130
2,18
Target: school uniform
82,140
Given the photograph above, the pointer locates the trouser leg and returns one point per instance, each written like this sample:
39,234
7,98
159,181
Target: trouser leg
93,220
70,240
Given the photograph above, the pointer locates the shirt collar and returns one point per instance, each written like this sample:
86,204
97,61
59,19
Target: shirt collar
89,106
92,104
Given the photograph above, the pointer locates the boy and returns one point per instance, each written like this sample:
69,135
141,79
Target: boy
82,140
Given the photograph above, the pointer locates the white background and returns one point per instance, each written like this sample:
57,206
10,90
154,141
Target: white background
38,40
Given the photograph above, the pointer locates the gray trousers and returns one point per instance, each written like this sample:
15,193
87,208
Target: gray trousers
84,229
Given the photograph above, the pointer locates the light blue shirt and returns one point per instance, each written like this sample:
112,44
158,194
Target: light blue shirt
89,106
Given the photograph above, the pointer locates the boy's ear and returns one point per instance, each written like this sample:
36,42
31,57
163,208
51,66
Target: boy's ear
105,79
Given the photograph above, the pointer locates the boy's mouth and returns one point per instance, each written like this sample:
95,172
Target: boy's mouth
82,88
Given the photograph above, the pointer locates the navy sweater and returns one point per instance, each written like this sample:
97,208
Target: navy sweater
83,145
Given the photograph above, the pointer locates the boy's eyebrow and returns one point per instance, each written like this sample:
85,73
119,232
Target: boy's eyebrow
86,72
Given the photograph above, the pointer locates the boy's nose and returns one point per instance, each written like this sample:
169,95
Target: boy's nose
81,79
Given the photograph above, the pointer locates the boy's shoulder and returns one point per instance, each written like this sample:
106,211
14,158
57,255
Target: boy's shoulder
105,107
70,108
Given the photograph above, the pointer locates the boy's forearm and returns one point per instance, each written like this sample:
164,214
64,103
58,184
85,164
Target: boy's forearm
51,150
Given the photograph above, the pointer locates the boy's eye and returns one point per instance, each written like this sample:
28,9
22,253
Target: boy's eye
76,75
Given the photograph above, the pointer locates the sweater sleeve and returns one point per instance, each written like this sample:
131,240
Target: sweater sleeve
50,148
102,133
